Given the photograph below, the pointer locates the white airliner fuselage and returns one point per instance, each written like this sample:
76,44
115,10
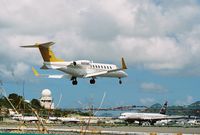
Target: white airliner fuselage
131,117
25,118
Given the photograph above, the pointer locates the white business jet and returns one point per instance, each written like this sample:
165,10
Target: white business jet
77,69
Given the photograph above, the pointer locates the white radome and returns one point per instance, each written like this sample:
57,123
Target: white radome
46,93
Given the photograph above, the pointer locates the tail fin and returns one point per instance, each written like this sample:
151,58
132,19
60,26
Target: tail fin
46,52
164,108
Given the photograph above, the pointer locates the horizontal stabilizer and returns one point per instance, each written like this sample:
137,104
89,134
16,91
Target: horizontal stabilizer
50,76
35,72
37,45
46,52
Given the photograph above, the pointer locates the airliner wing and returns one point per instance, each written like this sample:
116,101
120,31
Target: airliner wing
176,117
50,76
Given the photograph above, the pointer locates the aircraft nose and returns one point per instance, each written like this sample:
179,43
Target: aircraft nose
124,74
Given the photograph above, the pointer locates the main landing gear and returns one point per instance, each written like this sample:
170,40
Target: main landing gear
92,81
74,81
120,81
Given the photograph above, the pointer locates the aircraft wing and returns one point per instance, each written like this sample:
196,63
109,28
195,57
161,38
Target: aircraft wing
49,76
101,73
95,74
176,117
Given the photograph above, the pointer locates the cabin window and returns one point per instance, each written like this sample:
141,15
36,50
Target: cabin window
110,67
101,66
98,66
107,67
104,67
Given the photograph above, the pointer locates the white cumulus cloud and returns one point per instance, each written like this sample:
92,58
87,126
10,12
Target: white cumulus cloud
147,101
159,35
152,87
187,101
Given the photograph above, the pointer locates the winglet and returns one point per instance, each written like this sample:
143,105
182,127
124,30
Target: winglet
35,72
123,64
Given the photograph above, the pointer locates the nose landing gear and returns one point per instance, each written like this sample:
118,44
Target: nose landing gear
92,81
74,81
120,81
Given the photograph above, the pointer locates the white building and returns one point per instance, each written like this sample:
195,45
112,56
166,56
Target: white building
46,99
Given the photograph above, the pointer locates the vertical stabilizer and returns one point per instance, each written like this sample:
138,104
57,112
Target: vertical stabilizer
164,108
46,52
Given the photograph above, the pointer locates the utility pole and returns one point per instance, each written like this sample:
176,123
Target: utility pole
23,83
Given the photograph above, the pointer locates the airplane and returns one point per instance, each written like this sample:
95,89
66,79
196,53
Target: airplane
147,118
19,117
25,118
65,119
76,69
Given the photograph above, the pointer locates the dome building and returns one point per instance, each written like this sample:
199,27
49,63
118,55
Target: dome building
46,99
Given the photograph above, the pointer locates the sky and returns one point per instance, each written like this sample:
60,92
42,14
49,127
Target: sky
159,40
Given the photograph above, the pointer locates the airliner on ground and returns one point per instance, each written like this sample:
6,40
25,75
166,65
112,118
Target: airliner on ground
65,119
77,69
19,117
147,118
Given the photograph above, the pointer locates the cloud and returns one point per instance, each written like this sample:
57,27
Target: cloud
147,101
13,72
187,101
158,35
152,87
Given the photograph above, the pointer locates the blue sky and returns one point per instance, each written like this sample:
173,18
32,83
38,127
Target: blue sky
159,40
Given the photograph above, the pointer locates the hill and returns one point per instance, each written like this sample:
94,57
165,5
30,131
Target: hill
192,109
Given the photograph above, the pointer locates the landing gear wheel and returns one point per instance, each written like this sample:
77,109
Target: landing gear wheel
92,81
146,123
74,82
120,81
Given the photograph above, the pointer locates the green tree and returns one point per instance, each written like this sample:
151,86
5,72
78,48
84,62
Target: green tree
35,103
16,100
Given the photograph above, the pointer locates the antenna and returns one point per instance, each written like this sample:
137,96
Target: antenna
59,101
102,100
88,124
